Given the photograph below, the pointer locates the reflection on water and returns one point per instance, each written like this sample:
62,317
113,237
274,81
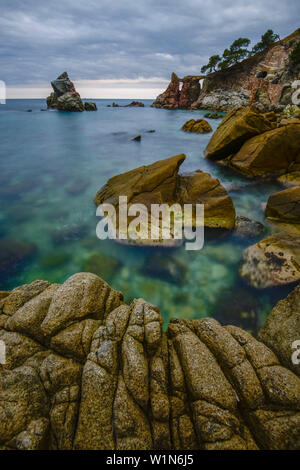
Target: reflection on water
53,163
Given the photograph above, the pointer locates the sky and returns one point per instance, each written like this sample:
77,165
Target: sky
125,48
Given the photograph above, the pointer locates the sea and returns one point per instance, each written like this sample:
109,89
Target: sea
52,163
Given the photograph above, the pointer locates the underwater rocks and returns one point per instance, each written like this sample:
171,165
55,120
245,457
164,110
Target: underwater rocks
69,233
104,266
247,228
90,106
282,329
284,206
273,261
160,183
238,126
64,97
86,371
13,253
200,126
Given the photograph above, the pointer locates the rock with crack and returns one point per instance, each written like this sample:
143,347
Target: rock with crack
160,183
85,371
64,96
273,261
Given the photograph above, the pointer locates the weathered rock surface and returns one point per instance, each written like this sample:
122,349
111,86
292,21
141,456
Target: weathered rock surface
284,206
247,228
64,96
199,125
238,126
85,371
282,329
256,158
161,183
174,97
273,261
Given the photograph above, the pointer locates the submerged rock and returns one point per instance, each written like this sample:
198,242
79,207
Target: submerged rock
160,183
273,261
64,96
104,266
247,228
86,371
200,126
69,233
213,116
90,106
135,104
137,138
238,126
284,206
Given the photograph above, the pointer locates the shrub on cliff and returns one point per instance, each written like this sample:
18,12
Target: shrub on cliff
267,40
295,55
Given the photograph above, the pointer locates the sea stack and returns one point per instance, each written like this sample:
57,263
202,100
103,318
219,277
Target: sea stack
64,96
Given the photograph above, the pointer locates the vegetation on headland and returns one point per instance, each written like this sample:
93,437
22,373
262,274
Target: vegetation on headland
239,51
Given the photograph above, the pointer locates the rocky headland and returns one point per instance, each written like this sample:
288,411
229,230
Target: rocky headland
263,80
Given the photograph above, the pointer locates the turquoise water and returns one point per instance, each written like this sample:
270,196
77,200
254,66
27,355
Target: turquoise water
53,163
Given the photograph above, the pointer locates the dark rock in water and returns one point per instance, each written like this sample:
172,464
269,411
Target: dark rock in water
151,131
137,138
108,105
14,252
55,259
247,228
166,267
90,106
64,97
272,262
136,104
128,384
78,186
42,109
238,306
213,116
29,110
69,233
115,105
104,266
200,126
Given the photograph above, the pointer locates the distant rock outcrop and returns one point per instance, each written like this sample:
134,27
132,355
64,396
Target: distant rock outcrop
64,97
86,371
176,98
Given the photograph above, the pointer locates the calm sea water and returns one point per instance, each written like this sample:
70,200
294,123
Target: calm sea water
51,165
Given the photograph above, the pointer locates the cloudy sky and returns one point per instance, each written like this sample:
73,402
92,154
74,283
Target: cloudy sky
125,48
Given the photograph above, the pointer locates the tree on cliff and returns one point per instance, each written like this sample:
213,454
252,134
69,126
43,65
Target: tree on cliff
295,55
267,40
212,64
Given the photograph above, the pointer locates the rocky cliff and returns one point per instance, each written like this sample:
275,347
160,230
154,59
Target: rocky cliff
85,371
264,80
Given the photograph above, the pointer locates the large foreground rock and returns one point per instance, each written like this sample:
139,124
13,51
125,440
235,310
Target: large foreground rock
160,183
282,330
284,206
238,126
273,261
64,96
84,371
